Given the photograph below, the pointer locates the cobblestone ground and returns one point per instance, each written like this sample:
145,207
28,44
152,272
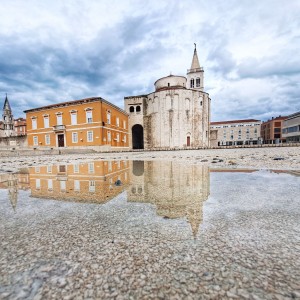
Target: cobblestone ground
247,246
286,158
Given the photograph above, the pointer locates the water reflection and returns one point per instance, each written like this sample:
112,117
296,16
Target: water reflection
14,182
177,190
93,182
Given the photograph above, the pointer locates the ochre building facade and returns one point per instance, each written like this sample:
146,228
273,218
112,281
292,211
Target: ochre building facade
91,122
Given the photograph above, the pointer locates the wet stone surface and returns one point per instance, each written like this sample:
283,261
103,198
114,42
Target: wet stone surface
237,237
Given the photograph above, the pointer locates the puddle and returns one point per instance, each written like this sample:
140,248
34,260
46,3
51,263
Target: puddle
141,229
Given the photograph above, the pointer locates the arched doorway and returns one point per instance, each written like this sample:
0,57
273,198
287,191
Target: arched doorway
138,168
137,137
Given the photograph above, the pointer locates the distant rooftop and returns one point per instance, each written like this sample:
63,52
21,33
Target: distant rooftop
74,102
235,121
279,118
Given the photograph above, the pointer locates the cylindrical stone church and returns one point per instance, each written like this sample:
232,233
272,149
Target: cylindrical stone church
175,115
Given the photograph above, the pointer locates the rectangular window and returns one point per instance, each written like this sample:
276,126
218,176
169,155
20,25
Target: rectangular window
108,117
50,184
73,118
118,137
91,167
124,138
62,185
37,169
74,137
117,122
76,185
90,137
38,184
62,169
35,141
46,121
197,82
124,124
59,119
49,169
76,168
92,186
47,139
34,123
89,116
108,136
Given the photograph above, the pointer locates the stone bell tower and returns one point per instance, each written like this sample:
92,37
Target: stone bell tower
195,75
8,119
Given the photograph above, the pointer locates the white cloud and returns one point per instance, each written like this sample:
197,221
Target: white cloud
55,51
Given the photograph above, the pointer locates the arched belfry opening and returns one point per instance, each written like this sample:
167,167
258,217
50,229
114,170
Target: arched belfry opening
137,137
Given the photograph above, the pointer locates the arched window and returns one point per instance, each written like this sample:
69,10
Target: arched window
192,83
198,82
131,109
138,109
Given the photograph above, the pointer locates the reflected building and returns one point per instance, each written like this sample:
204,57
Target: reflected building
93,182
14,182
12,186
177,190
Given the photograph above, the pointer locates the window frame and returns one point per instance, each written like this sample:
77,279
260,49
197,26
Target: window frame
89,116
46,124
75,134
90,136
47,139
35,140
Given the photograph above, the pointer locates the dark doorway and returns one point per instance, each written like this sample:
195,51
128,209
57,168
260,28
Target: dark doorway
188,141
137,137
61,140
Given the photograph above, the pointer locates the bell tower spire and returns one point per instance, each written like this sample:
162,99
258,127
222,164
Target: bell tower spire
195,74
8,119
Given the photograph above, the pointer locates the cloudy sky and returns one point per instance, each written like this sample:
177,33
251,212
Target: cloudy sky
56,51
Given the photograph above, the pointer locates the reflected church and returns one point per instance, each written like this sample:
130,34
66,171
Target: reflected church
177,190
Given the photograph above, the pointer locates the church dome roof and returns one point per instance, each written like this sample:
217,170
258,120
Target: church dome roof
170,82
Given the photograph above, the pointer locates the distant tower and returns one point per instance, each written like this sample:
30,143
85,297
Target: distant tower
195,75
8,119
